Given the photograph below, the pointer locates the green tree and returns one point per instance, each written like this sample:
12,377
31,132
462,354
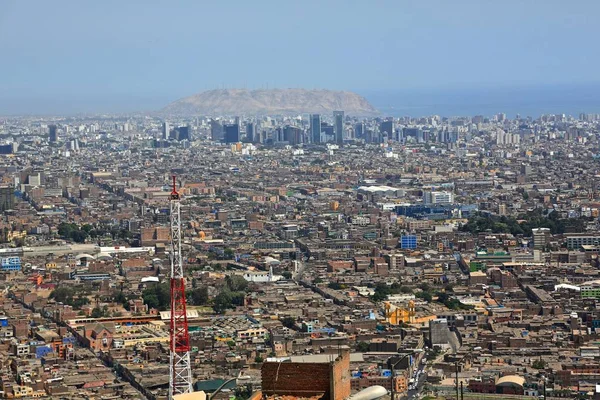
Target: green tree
362,347
62,294
199,296
237,298
222,302
151,300
158,296
119,297
70,231
425,296
288,322
228,253
98,312
236,283
335,286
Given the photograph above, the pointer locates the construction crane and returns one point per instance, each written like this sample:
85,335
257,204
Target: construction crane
180,370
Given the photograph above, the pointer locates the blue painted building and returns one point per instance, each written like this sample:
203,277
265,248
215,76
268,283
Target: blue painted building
408,242
68,340
10,264
42,351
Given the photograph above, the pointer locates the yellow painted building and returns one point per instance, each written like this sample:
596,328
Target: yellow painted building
396,315
12,235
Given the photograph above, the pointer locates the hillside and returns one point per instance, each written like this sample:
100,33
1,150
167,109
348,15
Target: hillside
270,102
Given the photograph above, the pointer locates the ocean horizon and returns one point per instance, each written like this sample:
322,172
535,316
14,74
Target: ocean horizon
532,101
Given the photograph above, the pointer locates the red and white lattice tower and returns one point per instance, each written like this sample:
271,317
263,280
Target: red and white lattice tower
180,371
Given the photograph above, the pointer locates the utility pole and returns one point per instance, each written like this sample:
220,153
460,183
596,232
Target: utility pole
393,369
456,377
544,388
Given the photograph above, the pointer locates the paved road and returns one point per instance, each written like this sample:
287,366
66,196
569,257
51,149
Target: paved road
413,394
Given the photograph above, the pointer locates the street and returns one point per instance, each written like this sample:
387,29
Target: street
418,385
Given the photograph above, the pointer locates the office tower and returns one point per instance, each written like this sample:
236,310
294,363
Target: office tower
165,130
183,133
292,135
277,135
387,127
359,130
216,130
232,133
9,148
338,117
414,133
327,133
7,198
53,134
250,132
315,128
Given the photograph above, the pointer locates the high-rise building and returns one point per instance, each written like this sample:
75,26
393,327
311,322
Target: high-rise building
166,130
315,128
411,133
232,133
52,133
216,130
250,132
9,148
327,132
292,135
387,127
359,130
7,198
338,117
183,133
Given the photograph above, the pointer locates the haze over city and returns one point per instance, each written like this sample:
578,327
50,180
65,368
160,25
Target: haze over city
299,200
405,56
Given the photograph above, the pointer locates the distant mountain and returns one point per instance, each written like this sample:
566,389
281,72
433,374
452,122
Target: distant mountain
270,102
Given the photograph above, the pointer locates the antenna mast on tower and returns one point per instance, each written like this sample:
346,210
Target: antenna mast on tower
180,371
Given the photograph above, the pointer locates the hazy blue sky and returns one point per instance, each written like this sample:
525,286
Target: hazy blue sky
135,55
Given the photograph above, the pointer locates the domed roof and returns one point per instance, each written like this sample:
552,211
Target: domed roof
511,380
